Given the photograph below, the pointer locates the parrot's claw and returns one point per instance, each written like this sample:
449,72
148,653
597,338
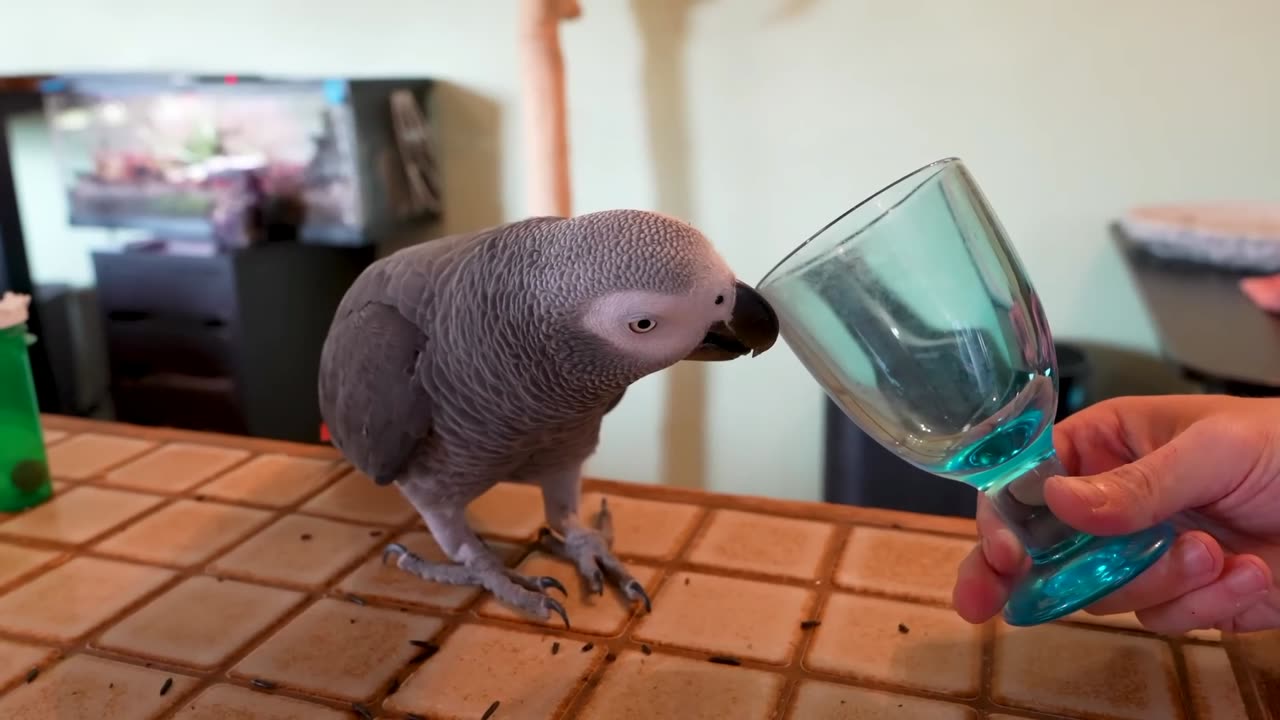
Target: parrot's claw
635,591
554,606
549,583
394,549
604,522
524,593
588,549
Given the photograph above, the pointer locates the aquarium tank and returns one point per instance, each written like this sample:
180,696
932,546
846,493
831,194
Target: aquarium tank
187,157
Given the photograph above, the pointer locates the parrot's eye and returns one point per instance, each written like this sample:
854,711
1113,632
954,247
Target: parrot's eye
719,299
643,325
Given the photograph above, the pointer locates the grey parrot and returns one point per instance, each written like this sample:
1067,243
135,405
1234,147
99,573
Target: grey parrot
458,363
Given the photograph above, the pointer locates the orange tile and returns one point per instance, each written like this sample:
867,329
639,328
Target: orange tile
645,528
339,650
1124,621
90,454
299,551
908,565
90,688
814,700
71,600
906,645
200,623
727,616
509,511
478,665
174,468
16,660
272,480
1079,671
229,702
762,543
1211,683
355,497
80,514
588,612
17,562
639,687
52,436
185,533
375,580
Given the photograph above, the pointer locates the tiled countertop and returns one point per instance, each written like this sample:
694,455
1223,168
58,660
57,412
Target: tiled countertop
203,577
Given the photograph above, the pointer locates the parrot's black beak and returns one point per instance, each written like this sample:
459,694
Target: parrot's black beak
752,330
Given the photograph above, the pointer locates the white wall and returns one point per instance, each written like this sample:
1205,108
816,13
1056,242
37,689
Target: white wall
760,119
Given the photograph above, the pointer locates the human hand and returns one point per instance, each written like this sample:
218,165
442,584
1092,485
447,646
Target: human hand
1209,464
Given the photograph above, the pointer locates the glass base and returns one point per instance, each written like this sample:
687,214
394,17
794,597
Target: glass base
1058,586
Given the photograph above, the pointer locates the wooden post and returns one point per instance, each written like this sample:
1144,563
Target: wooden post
545,127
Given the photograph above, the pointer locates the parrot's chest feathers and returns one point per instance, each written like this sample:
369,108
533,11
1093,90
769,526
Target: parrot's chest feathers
490,437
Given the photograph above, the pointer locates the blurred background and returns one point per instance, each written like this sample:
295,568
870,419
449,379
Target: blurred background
188,187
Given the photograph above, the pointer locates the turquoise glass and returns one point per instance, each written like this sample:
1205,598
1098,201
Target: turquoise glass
914,313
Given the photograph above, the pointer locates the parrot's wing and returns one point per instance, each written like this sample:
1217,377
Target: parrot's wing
379,411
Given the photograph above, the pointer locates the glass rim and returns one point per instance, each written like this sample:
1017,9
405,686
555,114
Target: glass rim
937,167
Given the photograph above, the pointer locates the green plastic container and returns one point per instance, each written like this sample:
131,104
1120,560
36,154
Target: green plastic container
24,467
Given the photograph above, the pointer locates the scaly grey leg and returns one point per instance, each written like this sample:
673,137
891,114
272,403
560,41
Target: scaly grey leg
587,547
476,563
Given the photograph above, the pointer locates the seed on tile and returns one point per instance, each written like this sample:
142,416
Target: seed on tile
352,621
164,689
492,709
199,498
588,647
355,599
903,629
305,537
810,624
646,649
263,684
725,660
375,533
610,657
555,648
364,712
686,581
32,674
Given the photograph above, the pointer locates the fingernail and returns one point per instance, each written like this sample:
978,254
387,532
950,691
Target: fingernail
1091,494
1195,556
1246,580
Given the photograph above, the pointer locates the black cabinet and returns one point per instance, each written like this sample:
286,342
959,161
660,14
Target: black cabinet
229,342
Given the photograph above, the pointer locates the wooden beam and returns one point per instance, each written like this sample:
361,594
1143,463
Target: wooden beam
545,125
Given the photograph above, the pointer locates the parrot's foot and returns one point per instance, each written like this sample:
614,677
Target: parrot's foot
520,591
589,549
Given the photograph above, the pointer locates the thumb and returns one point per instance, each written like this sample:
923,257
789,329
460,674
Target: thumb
1202,465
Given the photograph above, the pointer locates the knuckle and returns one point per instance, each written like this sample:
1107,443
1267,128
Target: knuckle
1137,483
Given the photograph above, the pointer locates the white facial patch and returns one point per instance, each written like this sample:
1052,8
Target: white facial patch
675,324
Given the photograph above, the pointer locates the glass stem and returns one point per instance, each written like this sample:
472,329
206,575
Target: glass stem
1021,504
